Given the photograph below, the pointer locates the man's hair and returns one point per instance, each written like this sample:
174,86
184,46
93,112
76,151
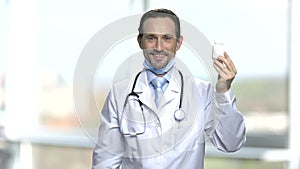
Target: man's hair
160,13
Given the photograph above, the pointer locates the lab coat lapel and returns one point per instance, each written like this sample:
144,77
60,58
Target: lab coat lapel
143,90
173,89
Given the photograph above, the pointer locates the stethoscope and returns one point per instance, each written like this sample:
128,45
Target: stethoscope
179,114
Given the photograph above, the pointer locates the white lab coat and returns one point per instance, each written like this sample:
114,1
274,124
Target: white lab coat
167,143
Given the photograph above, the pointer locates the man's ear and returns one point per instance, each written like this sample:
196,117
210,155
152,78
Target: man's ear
179,42
139,39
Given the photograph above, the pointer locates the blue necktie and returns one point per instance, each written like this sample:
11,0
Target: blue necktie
158,83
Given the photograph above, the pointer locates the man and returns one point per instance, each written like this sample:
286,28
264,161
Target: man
144,125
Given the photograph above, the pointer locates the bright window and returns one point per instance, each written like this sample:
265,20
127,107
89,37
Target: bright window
41,42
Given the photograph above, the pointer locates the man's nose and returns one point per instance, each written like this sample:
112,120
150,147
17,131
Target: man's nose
159,46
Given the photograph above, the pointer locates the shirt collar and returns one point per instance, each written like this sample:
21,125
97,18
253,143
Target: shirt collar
151,75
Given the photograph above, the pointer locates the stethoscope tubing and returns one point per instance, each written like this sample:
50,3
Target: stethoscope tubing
178,117
135,94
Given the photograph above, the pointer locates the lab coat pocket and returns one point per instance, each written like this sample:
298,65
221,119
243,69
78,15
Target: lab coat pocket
190,141
132,120
140,146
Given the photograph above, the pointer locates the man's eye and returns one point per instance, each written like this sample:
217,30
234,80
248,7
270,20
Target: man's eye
150,38
167,38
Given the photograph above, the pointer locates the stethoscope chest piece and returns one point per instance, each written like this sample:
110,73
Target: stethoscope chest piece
179,115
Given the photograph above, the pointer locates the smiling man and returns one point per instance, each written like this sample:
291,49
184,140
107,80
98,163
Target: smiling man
159,41
159,118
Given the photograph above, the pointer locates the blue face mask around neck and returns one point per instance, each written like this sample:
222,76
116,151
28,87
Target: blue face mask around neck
163,70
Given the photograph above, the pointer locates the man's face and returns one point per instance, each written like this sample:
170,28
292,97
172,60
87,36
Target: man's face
159,41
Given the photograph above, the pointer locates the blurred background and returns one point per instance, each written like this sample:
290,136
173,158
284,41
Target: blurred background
41,41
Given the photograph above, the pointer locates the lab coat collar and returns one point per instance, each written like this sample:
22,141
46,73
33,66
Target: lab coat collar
142,88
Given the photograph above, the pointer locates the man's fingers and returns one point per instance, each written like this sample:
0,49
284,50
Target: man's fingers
229,63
